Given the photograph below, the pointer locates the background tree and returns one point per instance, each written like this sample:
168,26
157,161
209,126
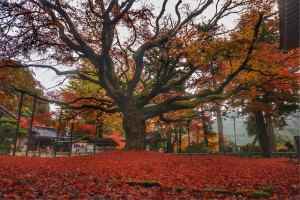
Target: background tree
19,78
24,79
272,80
82,92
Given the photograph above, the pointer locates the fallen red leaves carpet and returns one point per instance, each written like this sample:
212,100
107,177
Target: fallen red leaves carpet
132,175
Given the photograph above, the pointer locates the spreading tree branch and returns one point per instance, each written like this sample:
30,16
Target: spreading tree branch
191,101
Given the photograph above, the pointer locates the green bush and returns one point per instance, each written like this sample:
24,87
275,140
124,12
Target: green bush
4,148
250,148
197,148
7,134
260,194
228,148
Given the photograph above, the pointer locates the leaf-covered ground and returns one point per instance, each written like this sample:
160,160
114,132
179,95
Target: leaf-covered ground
132,175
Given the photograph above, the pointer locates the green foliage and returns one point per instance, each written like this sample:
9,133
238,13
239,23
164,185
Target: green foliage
7,134
144,183
251,125
268,189
77,88
229,148
286,109
261,194
267,35
250,148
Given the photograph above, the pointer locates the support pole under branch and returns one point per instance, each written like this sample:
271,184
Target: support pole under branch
18,123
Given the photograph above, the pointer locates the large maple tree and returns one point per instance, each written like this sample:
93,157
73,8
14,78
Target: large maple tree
139,52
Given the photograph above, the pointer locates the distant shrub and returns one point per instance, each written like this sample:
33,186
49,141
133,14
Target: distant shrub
260,194
197,148
286,147
7,134
250,148
228,148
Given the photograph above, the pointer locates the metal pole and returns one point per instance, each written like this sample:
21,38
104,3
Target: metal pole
29,140
235,135
58,132
18,123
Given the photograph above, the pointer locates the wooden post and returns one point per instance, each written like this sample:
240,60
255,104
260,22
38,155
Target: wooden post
297,143
71,139
59,123
54,150
18,123
177,139
94,147
188,132
39,148
29,137
169,140
180,139
58,132
205,128
99,126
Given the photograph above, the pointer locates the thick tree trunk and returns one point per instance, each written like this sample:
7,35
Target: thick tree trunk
265,140
270,131
134,127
